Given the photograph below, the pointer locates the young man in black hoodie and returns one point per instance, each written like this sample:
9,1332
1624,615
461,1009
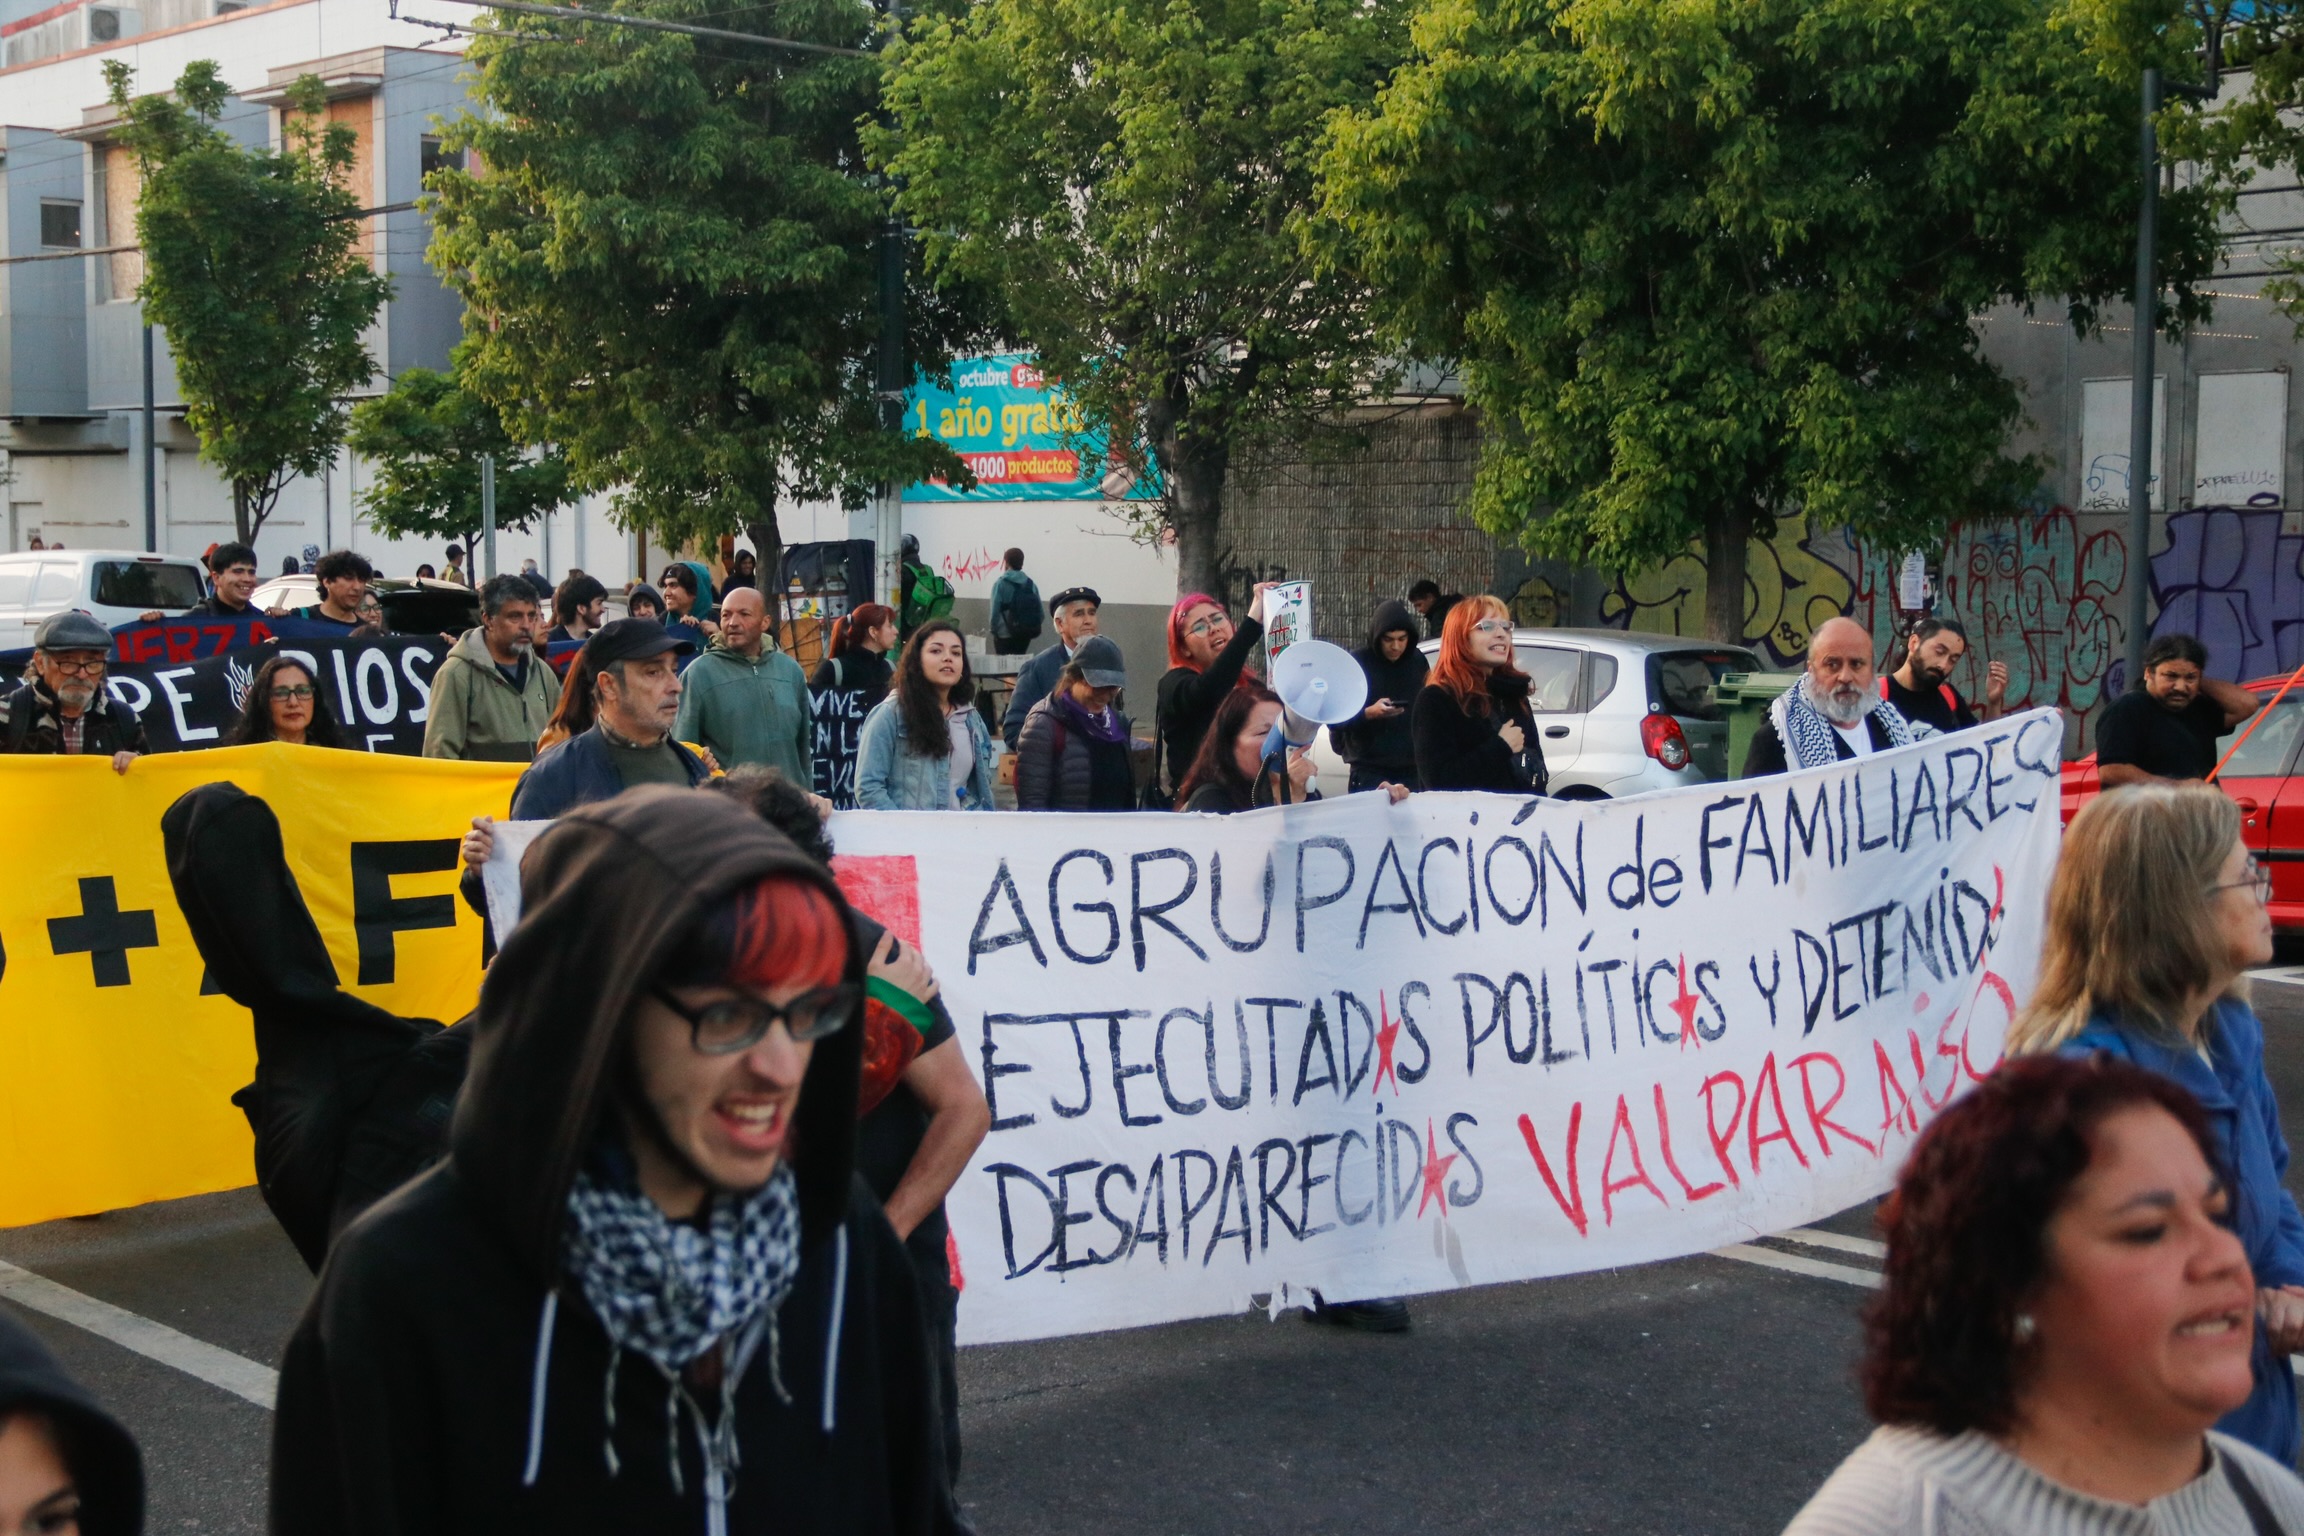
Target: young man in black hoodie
646,1262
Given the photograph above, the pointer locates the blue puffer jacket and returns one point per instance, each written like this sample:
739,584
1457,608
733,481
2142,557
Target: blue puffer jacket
2231,1086
892,777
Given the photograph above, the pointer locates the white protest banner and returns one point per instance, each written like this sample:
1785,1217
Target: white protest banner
1379,1050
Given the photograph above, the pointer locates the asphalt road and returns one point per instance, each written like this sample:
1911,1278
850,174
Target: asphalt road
1701,1396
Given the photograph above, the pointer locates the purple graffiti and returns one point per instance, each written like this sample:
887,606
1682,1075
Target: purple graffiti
2232,578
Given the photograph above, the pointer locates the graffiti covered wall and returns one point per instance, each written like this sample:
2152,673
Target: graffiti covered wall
2042,592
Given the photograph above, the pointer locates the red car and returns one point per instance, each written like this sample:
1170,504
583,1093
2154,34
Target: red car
2267,780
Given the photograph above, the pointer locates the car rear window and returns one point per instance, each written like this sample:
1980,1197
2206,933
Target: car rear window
146,584
2265,753
429,611
1682,682
1556,671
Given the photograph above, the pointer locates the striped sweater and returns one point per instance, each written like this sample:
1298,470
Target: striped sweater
1910,1482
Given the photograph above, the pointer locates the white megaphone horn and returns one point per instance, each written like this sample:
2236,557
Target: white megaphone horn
1318,684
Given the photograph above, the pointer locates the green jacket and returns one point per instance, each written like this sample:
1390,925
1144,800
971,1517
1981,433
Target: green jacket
749,710
479,717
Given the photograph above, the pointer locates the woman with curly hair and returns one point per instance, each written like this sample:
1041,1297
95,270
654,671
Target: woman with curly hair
285,704
2065,1313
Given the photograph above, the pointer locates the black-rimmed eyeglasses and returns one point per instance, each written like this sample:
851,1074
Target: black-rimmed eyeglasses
739,1023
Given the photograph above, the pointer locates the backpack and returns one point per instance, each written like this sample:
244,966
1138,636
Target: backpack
1017,615
930,598
1951,699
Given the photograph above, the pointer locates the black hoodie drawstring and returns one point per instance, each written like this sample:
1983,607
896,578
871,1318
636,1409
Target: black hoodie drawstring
832,1334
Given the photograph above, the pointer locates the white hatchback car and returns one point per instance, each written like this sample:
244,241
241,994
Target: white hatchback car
1619,713
112,586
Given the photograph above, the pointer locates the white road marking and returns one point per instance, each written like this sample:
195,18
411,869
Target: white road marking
236,1374
1817,1237
2292,975
1793,1263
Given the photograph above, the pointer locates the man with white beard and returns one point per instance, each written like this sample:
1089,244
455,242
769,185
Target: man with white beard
62,707
1835,712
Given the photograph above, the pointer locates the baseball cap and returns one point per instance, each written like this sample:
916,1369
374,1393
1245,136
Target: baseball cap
632,640
71,632
1099,662
1076,595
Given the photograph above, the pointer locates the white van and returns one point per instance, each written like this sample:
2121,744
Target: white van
112,586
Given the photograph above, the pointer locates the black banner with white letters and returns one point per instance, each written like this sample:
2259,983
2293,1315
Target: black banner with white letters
379,689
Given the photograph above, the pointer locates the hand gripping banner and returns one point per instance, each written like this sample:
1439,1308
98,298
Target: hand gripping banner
116,1065
1378,1050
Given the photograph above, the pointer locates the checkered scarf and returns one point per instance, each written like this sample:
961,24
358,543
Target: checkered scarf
1808,735
664,1289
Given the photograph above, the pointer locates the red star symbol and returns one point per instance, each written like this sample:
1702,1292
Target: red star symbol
1435,1174
1685,1006
1386,1038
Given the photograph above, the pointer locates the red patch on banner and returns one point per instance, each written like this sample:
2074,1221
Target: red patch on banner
884,887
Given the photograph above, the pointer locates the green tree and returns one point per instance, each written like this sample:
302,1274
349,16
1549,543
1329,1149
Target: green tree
253,262
1706,265
424,442
670,265
1130,178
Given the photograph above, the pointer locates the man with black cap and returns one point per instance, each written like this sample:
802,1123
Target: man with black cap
1073,754
64,708
636,697
1074,610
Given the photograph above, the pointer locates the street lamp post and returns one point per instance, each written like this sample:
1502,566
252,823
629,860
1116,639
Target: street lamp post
2140,382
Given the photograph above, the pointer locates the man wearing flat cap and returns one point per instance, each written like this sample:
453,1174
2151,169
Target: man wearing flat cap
1074,610
64,708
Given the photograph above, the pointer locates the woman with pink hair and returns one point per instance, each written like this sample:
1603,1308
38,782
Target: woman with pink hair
1206,658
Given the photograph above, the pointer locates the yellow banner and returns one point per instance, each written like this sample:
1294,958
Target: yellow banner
116,1073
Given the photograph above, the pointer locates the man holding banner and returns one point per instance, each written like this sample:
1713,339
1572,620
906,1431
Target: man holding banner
64,708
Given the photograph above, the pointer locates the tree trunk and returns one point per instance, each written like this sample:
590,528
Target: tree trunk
1726,540
240,528
767,538
1193,468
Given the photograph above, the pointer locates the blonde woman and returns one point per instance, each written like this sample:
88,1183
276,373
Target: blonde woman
2156,911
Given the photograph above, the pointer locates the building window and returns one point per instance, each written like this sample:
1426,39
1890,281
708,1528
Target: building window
60,225
434,157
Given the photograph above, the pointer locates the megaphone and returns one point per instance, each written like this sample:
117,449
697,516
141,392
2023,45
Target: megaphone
1319,684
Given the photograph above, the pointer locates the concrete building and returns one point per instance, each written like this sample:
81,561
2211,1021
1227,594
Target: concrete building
72,334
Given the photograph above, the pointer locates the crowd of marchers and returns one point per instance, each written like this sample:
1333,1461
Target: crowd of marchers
654,1239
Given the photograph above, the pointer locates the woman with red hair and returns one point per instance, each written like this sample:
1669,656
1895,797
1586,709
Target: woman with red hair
1472,726
1206,656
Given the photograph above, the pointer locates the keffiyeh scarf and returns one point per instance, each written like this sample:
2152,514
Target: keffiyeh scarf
1809,736
671,1292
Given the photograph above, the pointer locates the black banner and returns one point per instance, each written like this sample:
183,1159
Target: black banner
839,718
379,689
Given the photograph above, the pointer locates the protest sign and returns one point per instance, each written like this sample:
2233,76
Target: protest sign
1380,1050
379,689
117,1065
839,719
1287,618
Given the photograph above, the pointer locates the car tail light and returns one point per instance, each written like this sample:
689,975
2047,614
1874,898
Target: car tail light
1661,739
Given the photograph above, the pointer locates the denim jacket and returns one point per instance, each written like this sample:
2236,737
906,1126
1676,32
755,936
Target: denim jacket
2231,1086
890,777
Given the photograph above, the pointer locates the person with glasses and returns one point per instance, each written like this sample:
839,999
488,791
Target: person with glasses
645,1290
285,704
1207,656
1472,724
2155,915
62,707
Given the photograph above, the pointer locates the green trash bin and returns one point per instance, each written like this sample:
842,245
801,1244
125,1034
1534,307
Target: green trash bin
1744,698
